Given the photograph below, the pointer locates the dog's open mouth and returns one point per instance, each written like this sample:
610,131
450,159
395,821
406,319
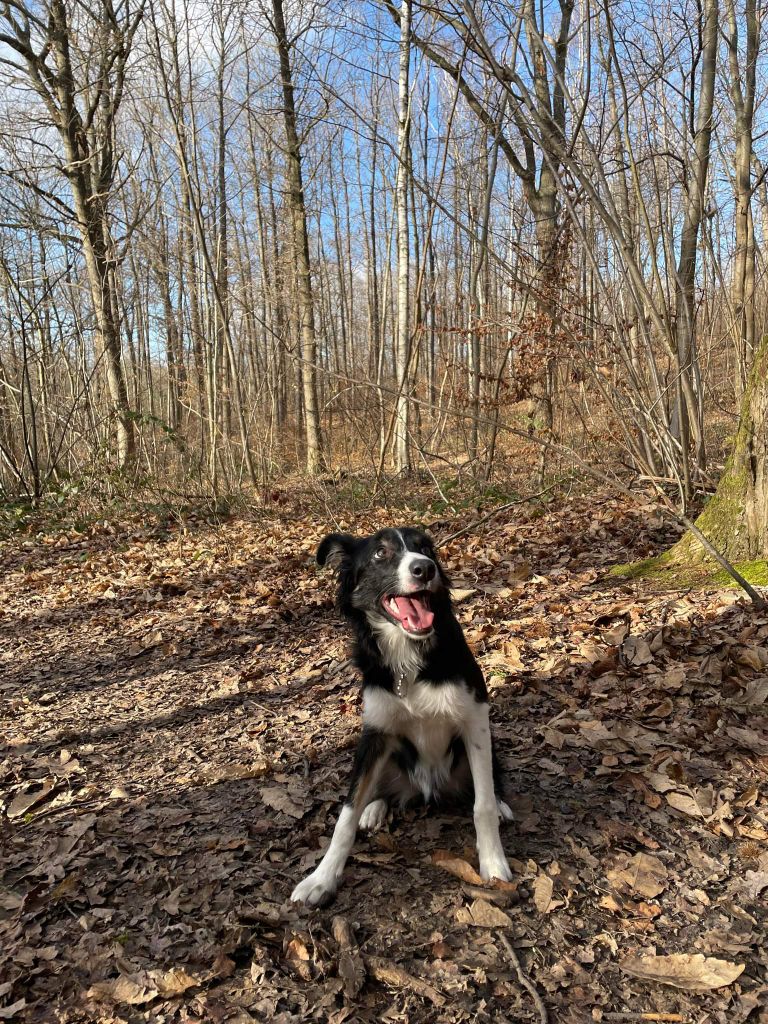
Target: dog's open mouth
412,611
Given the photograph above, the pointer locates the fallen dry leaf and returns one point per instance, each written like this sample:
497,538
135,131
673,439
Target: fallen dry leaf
543,888
173,982
351,966
693,972
141,987
24,802
460,868
297,956
506,657
9,1012
643,874
636,651
686,803
281,799
749,739
131,990
755,882
616,634
482,914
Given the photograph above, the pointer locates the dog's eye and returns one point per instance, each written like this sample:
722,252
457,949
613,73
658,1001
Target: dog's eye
380,553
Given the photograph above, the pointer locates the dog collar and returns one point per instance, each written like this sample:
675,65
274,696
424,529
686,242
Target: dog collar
401,686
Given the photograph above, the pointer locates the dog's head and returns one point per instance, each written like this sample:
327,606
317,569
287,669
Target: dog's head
392,577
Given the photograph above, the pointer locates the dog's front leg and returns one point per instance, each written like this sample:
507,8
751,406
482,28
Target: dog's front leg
477,740
319,887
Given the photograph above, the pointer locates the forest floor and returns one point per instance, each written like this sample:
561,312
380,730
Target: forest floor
178,718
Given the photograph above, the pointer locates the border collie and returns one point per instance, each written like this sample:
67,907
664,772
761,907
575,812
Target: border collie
425,703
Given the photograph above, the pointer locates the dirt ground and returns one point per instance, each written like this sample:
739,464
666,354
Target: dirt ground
178,717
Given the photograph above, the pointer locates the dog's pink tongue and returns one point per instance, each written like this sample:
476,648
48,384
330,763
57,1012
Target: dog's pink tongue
414,614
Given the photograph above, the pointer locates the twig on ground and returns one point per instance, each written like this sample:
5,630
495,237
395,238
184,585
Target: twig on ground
524,980
628,1015
496,511
761,819
392,974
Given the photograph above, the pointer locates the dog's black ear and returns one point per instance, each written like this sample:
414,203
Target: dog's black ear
334,548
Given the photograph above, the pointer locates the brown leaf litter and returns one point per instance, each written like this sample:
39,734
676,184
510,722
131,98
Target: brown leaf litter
178,719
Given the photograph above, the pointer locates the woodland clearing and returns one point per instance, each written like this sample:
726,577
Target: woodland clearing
179,713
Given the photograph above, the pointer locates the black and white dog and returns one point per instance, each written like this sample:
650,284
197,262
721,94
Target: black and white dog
425,704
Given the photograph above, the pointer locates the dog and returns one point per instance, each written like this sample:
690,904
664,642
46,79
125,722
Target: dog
426,731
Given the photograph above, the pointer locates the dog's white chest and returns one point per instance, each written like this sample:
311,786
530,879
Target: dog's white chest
429,717
449,702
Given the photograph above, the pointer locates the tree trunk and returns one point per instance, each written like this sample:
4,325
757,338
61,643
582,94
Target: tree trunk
107,325
736,517
687,413
90,163
295,200
743,98
402,341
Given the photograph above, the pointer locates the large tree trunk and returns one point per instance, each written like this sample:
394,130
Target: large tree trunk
736,517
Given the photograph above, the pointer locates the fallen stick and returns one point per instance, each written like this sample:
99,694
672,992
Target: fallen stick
524,980
629,1015
390,974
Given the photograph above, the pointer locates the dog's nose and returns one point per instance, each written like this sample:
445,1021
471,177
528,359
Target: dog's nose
423,569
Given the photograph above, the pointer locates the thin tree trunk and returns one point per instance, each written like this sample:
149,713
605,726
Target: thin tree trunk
743,99
687,412
402,343
295,197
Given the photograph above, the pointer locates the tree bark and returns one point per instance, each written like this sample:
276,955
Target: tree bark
735,519
93,230
295,197
402,341
743,99
687,414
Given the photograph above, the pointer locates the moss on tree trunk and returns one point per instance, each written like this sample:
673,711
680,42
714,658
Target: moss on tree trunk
735,519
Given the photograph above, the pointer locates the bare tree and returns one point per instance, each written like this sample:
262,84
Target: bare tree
685,413
302,267
501,218
75,59
742,93
402,344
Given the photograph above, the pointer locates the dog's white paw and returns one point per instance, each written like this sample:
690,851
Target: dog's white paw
315,890
495,865
374,815
505,811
